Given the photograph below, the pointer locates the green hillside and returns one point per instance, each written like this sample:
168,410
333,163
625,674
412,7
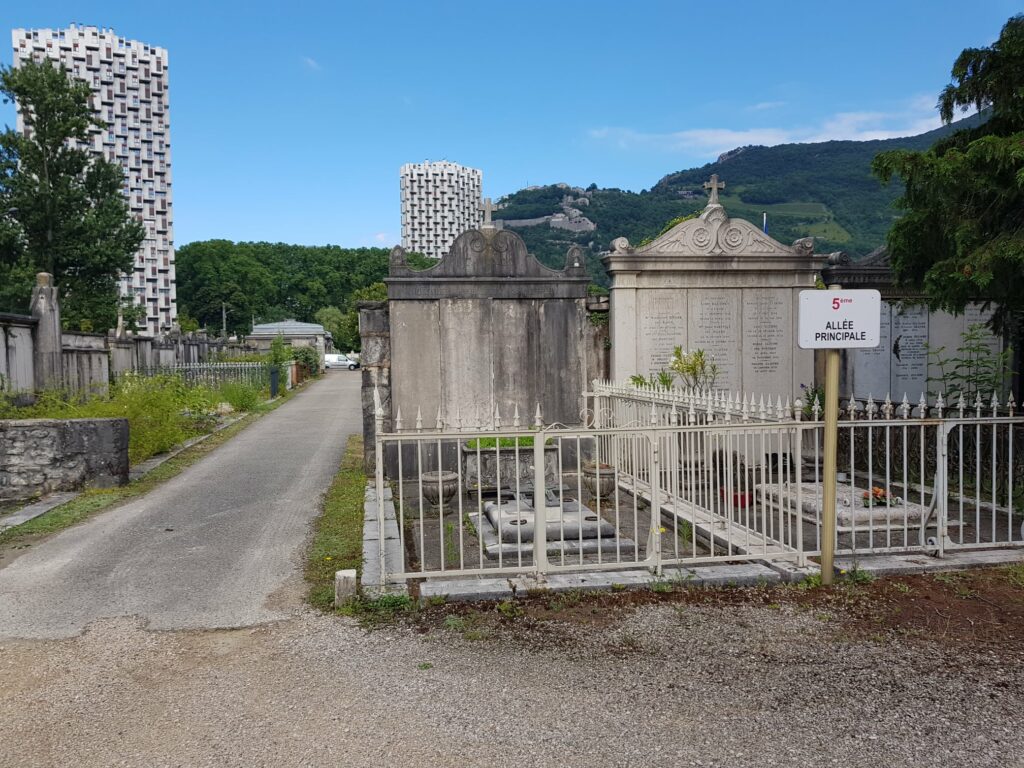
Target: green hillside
823,190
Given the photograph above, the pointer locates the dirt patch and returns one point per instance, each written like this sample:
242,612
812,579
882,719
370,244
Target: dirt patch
980,610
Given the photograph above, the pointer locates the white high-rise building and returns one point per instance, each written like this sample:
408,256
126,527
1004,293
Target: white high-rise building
129,85
440,201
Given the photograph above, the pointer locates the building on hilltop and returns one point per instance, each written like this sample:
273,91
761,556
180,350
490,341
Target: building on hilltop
440,201
130,97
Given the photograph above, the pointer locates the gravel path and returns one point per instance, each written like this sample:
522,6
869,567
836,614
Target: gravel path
216,546
686,686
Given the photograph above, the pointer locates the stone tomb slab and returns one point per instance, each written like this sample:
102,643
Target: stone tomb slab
850,515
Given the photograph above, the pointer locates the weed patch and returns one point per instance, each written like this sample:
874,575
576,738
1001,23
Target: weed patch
338,531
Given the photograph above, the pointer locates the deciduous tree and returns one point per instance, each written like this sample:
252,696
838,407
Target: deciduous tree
62,209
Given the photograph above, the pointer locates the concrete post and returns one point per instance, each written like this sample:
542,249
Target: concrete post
47,360
375,363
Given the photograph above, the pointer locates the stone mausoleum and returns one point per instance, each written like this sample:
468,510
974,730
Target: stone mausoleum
718,284
487,331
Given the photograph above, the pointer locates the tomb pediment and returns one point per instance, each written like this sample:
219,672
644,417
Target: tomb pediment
488,263
715,233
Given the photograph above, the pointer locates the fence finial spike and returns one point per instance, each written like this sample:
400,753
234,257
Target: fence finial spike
440,422
870,408
961,404
419,419
905,407
922,406
995,403
458,418
515,417
978,405
398,420
654,415
887,407
1011,403
497,417
537,422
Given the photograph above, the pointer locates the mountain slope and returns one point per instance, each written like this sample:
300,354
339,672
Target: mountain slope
825,190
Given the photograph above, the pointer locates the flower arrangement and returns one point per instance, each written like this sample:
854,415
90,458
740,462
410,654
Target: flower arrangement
879,497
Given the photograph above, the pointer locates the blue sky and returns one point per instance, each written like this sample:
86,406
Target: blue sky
289,121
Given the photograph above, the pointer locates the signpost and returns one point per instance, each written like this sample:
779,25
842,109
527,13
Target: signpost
832,320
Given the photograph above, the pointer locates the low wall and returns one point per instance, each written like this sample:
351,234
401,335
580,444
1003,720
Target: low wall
39,456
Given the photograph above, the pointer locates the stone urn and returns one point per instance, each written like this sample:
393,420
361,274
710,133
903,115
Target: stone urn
599,479
439,487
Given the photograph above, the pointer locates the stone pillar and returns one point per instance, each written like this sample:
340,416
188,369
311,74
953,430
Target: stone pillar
375,362
48,350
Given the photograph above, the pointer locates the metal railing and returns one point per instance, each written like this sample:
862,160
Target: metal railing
209,374
696,485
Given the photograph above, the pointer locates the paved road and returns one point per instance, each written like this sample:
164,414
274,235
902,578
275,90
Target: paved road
219,545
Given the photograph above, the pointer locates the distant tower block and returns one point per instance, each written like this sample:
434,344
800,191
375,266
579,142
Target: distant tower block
440,201
130,98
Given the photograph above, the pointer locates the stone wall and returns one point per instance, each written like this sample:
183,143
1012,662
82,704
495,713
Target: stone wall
35,354
39,456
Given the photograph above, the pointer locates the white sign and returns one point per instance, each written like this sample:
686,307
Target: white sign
839,319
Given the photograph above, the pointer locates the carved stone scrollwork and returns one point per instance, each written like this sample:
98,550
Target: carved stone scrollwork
701,238
501,241
476,242
620,245
804,246
732,240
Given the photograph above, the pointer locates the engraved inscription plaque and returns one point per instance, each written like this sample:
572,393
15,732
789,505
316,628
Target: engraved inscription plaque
662,329
715,328
909,352
767,340
871,367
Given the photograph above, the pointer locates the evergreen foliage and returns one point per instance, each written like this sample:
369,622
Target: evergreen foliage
961,238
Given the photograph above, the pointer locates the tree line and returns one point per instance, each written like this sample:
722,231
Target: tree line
246,283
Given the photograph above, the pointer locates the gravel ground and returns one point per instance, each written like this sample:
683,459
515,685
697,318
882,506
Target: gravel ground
680,685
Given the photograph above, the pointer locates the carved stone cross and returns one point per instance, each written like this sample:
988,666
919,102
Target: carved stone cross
487,209
714,185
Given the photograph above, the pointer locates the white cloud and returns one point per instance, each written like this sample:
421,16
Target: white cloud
917,117
763,105
382,237
311,64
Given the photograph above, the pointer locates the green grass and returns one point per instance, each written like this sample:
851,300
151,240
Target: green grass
338,531
501,442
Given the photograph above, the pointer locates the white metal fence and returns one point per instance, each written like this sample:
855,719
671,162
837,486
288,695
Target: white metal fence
210,374
655,479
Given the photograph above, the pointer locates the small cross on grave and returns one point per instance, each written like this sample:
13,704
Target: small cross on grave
714,185
487,208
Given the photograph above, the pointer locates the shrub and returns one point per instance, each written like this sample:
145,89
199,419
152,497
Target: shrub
307,357
241,395
162,411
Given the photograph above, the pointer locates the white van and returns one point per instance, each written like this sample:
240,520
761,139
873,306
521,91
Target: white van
340,361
